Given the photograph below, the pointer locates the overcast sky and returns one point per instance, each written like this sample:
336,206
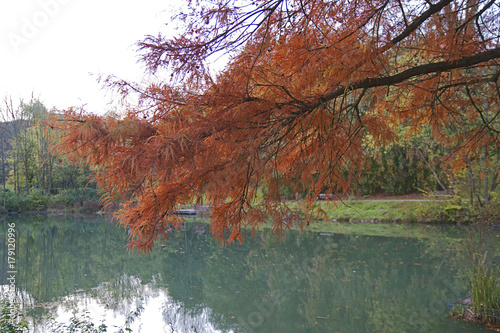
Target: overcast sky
55,49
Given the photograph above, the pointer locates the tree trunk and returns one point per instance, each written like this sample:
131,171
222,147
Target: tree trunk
434,172
4,175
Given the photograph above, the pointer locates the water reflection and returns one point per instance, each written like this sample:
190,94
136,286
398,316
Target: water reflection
305,283
152,309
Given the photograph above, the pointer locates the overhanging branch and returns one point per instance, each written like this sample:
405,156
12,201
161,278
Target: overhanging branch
437,67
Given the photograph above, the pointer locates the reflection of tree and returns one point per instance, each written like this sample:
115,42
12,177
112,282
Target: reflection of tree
306,282
179,319
350,284
59,257
123,295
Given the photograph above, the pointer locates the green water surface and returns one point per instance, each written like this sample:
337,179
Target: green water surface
308,282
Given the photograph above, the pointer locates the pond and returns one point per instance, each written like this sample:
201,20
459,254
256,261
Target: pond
308,282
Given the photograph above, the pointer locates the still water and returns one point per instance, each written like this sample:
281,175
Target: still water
308,282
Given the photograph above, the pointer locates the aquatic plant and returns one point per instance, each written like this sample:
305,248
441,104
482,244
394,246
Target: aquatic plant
485,289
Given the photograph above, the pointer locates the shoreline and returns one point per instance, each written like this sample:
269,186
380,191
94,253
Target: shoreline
409,209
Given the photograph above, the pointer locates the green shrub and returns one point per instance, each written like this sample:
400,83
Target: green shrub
37,201
71,196
10,318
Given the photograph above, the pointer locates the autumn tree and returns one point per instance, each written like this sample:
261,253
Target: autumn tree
304,84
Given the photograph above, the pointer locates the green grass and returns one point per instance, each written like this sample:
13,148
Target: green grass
378,210
483,304
370,218
372,210
391,218
485,290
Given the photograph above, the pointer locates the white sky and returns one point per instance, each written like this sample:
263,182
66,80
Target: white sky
55,49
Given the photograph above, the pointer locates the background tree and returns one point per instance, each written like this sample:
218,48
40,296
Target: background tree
305,84
6,129
29,152
29,170
410,165
13,125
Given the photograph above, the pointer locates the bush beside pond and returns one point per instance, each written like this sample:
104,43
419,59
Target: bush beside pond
35,200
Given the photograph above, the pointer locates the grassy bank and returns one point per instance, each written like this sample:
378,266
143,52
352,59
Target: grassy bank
415,218
368,216
423,210
371,210
396,210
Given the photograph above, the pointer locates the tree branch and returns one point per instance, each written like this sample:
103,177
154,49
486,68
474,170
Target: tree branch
437,67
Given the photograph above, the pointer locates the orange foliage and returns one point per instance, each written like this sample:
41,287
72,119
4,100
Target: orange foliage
307,82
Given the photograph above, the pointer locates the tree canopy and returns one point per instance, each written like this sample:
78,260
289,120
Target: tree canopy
306,83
